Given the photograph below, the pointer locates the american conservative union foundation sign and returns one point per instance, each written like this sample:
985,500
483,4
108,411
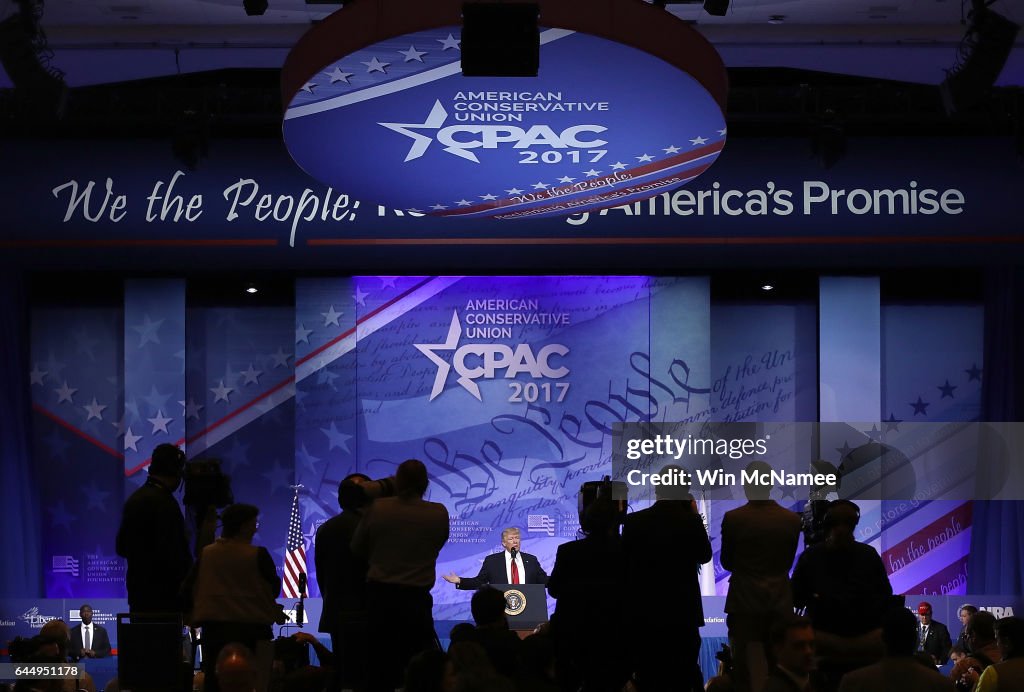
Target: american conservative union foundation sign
604,123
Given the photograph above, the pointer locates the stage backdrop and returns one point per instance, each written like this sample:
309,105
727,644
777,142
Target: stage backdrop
507,387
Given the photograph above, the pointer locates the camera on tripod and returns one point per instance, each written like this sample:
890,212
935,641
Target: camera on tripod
206,484
616,492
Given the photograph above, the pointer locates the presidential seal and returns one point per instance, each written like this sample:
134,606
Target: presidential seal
515,602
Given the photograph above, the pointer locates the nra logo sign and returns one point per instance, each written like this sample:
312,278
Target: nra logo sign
998,611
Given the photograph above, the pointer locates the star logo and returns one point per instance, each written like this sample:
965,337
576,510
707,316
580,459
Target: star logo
420,142
450,344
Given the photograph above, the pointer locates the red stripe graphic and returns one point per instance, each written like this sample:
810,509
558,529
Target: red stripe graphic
290,379
81,433
951,579
922,542
565,192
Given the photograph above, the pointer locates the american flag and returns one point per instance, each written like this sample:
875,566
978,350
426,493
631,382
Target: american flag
295,552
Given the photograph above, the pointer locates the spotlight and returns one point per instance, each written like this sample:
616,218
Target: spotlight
983,52
767,287
255,8
717,8
500,40
251,289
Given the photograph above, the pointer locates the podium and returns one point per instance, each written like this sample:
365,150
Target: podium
526,605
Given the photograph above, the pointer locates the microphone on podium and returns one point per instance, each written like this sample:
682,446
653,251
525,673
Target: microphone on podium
300,609
513,552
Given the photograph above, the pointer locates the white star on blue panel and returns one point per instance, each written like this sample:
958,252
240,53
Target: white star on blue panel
450,42
336,75
413,54
376,65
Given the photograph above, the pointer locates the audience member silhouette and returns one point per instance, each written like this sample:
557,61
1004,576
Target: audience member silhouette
425,672
400,538
537,672
845,590
842,583
1007,675
234,670
759,542
152,537
342,579
664,547
468,669
588,625
235,585
791,641
981,637
901,668
492,633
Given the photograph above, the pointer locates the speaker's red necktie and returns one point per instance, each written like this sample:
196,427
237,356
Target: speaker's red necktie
515,573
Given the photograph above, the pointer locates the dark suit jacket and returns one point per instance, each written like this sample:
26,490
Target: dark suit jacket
937,644
588,626
780,682
152,538
492,571
664,546
340,575
100,642
759,543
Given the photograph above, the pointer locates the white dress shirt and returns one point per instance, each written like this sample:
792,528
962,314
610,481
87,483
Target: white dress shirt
519,565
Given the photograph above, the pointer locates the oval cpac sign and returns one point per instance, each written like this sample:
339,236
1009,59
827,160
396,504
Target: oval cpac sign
604,123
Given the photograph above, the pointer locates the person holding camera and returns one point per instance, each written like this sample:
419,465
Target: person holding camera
400,538
152,537
588,582
665,546
342,579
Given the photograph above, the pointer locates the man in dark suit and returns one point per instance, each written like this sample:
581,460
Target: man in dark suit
342,580
932,636
507,567
88,640
664,547
152,537
759,543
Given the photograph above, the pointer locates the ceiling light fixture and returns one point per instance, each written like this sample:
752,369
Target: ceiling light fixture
251,289
767,287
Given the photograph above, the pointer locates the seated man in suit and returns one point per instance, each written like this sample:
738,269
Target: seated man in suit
88,640
507,567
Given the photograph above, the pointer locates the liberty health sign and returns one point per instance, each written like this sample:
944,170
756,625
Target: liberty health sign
604,123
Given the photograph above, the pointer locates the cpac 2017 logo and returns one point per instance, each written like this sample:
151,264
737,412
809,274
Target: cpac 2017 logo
474,361
459,139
